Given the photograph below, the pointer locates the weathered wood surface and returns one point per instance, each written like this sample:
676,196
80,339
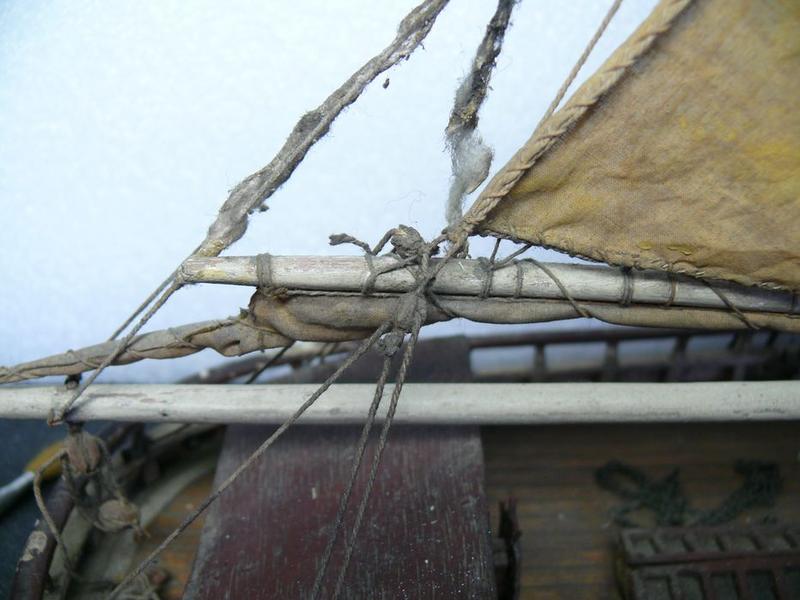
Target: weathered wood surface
425,533
567,536
464,277
445,403
177,559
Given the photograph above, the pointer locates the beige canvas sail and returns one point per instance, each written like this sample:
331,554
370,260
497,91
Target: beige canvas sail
681,153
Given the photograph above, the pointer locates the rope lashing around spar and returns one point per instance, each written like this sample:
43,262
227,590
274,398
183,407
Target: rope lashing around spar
264,270
407,244
627,286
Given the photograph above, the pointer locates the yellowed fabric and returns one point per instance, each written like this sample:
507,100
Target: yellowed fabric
691,162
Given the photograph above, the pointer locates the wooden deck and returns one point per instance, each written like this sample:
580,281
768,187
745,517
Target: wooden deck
567,535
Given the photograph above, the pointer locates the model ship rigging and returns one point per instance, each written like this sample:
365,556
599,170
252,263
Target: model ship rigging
670,184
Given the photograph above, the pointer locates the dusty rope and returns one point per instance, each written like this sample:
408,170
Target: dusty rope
61,412
551,130
580,309
231,222
147,301
471,158
731,306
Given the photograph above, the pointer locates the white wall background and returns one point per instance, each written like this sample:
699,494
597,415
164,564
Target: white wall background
123,124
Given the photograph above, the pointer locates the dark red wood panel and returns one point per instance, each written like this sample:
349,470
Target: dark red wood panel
425,535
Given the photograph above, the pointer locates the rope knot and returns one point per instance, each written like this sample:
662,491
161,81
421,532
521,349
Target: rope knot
412,308
118,514
84,452
390,343
408,243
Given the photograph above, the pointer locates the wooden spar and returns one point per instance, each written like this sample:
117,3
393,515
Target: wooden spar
502,404
597,283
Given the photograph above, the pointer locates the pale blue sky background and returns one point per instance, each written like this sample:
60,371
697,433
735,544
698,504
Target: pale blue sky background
123,124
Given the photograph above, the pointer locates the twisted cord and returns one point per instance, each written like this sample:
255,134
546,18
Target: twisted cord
581,310
75,356
345,497
387,423
581,61
153,295
61,412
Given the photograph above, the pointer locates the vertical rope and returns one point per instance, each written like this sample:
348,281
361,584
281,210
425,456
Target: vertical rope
48,519
345,497
387,423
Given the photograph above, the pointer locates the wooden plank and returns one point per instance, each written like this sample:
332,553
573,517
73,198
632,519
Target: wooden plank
425,533
440,403
567,534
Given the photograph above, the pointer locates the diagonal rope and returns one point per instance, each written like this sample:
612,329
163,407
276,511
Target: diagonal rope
61,412
581,61
731,306
345,497
257,373
147,301
470,157
191,517
230,228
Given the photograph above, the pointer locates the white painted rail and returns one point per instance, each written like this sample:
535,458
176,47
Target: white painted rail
502,404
